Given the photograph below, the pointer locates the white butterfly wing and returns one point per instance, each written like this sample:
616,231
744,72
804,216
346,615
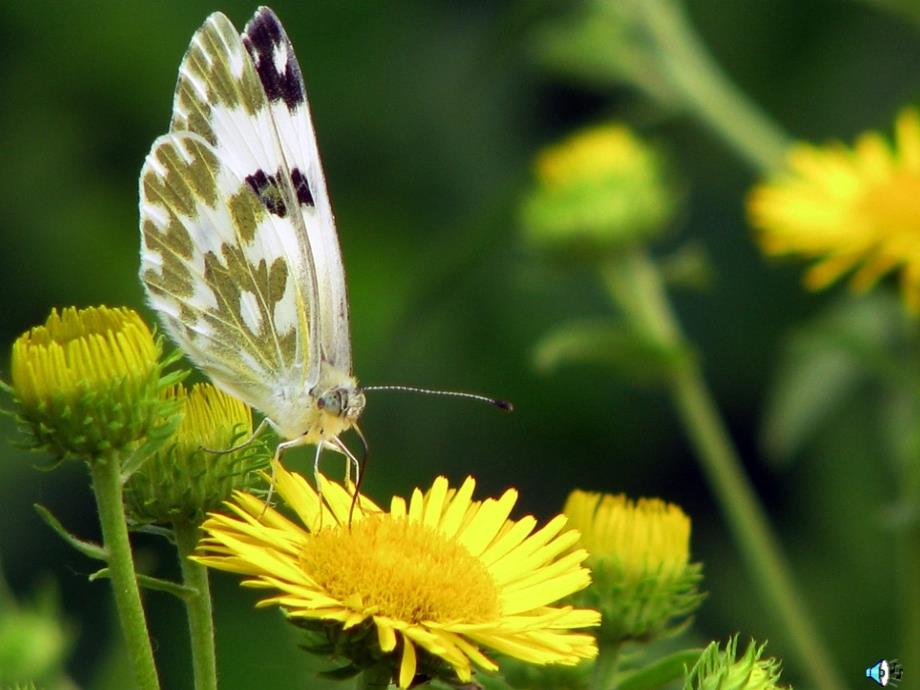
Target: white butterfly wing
274,59
239,253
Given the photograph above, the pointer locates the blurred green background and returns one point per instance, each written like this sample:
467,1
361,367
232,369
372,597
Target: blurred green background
428,115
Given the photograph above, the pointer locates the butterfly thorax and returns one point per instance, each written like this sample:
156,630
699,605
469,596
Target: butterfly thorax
331,407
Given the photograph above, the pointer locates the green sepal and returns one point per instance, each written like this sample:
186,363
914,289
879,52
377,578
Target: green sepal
171,358
661,672
156,584
343,673
609,343
496,681
459,685
55,463
155,530
725,669
359,645
156,437
641,610
87,548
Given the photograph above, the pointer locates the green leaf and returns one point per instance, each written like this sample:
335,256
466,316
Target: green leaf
608,343
87,548
155,583
825,364
688,267
661,672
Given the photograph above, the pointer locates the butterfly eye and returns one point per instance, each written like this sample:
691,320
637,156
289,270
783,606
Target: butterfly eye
331,402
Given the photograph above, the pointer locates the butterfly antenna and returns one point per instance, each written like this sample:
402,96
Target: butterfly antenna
360,473
500,404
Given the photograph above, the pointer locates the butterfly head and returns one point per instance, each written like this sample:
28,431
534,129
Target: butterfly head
345,402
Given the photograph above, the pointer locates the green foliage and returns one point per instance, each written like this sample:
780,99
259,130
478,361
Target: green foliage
34,641
853,352
615,345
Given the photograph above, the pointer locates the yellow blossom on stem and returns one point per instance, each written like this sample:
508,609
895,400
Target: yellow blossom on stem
850,209
597,191
418,589
185,478
639,555
87,381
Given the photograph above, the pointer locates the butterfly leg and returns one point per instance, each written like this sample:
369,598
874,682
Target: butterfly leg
318,481
357,485
276,459
351,461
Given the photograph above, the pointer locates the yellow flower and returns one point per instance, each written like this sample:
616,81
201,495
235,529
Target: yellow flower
721,670
417,589
87,382
851,209
598,190
184,480
639,556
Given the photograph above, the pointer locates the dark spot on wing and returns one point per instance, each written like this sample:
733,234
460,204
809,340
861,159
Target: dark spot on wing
269,191
304,196
264,36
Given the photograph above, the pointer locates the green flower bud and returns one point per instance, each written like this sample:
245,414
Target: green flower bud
720,670
87,382
597,191
639,554
185,479
34,641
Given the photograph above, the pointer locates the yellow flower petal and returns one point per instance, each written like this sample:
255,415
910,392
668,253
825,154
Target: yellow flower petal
386,636
408,663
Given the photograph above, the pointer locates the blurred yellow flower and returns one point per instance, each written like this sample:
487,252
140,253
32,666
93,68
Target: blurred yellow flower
639,556
87,381
418,588
597,190
851,209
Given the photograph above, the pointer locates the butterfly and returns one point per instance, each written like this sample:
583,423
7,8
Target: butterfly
239,252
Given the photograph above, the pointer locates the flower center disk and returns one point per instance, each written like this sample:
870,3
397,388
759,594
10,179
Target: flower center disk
403,570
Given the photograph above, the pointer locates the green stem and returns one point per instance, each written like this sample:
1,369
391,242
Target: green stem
106,474
704,88
635,284
374,678
605,666
198,608
906,456
909,601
